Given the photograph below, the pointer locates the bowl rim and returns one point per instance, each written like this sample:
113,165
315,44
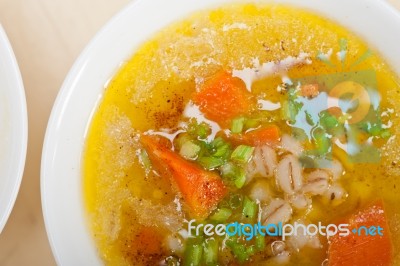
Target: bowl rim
16,152
79,69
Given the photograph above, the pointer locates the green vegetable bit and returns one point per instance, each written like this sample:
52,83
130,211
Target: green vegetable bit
328,121
249,208
238,249
193,252
210,162
189,150
221,215
240,180
260,242
237,125
220,148
242,153
233,173
198,131
145,160
210,255
322,141
251,123
235,201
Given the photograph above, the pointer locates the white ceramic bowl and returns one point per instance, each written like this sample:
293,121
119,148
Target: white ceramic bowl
61,182
13,128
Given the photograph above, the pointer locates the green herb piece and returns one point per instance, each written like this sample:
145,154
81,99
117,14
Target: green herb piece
260,242
237,125
251,250
322,141
328,121
240,179
198,131
233,173
249,208
189,150
210,252
193,252
235,201
229,171
251,123
145,160
309,118
218,142
210,162
238,249
221,215
220,148
242,153
182,139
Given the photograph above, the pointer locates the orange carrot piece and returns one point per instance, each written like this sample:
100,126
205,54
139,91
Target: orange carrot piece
223,98
262,136
366,250
201,189
258,137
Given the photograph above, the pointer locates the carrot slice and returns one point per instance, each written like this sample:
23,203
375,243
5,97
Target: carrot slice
201,189
223,98
258,137
362,249
262,136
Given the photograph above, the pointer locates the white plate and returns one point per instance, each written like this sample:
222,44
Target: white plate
61,180
13,128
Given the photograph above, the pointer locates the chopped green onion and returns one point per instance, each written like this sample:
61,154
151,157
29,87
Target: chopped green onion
145,160
322,142
237,125
229,171
309,118
189,150
200,131
249,208
235,201
221,215
232,172
260,242
193,252
182,139
251,250
328,121
251,123
210,252
240,179
242,153
238,249
218,142
209,162
290,109
223,151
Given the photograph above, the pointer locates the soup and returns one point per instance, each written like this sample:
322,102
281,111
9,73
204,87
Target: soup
247,135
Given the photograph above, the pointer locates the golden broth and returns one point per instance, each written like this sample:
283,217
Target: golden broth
153,87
